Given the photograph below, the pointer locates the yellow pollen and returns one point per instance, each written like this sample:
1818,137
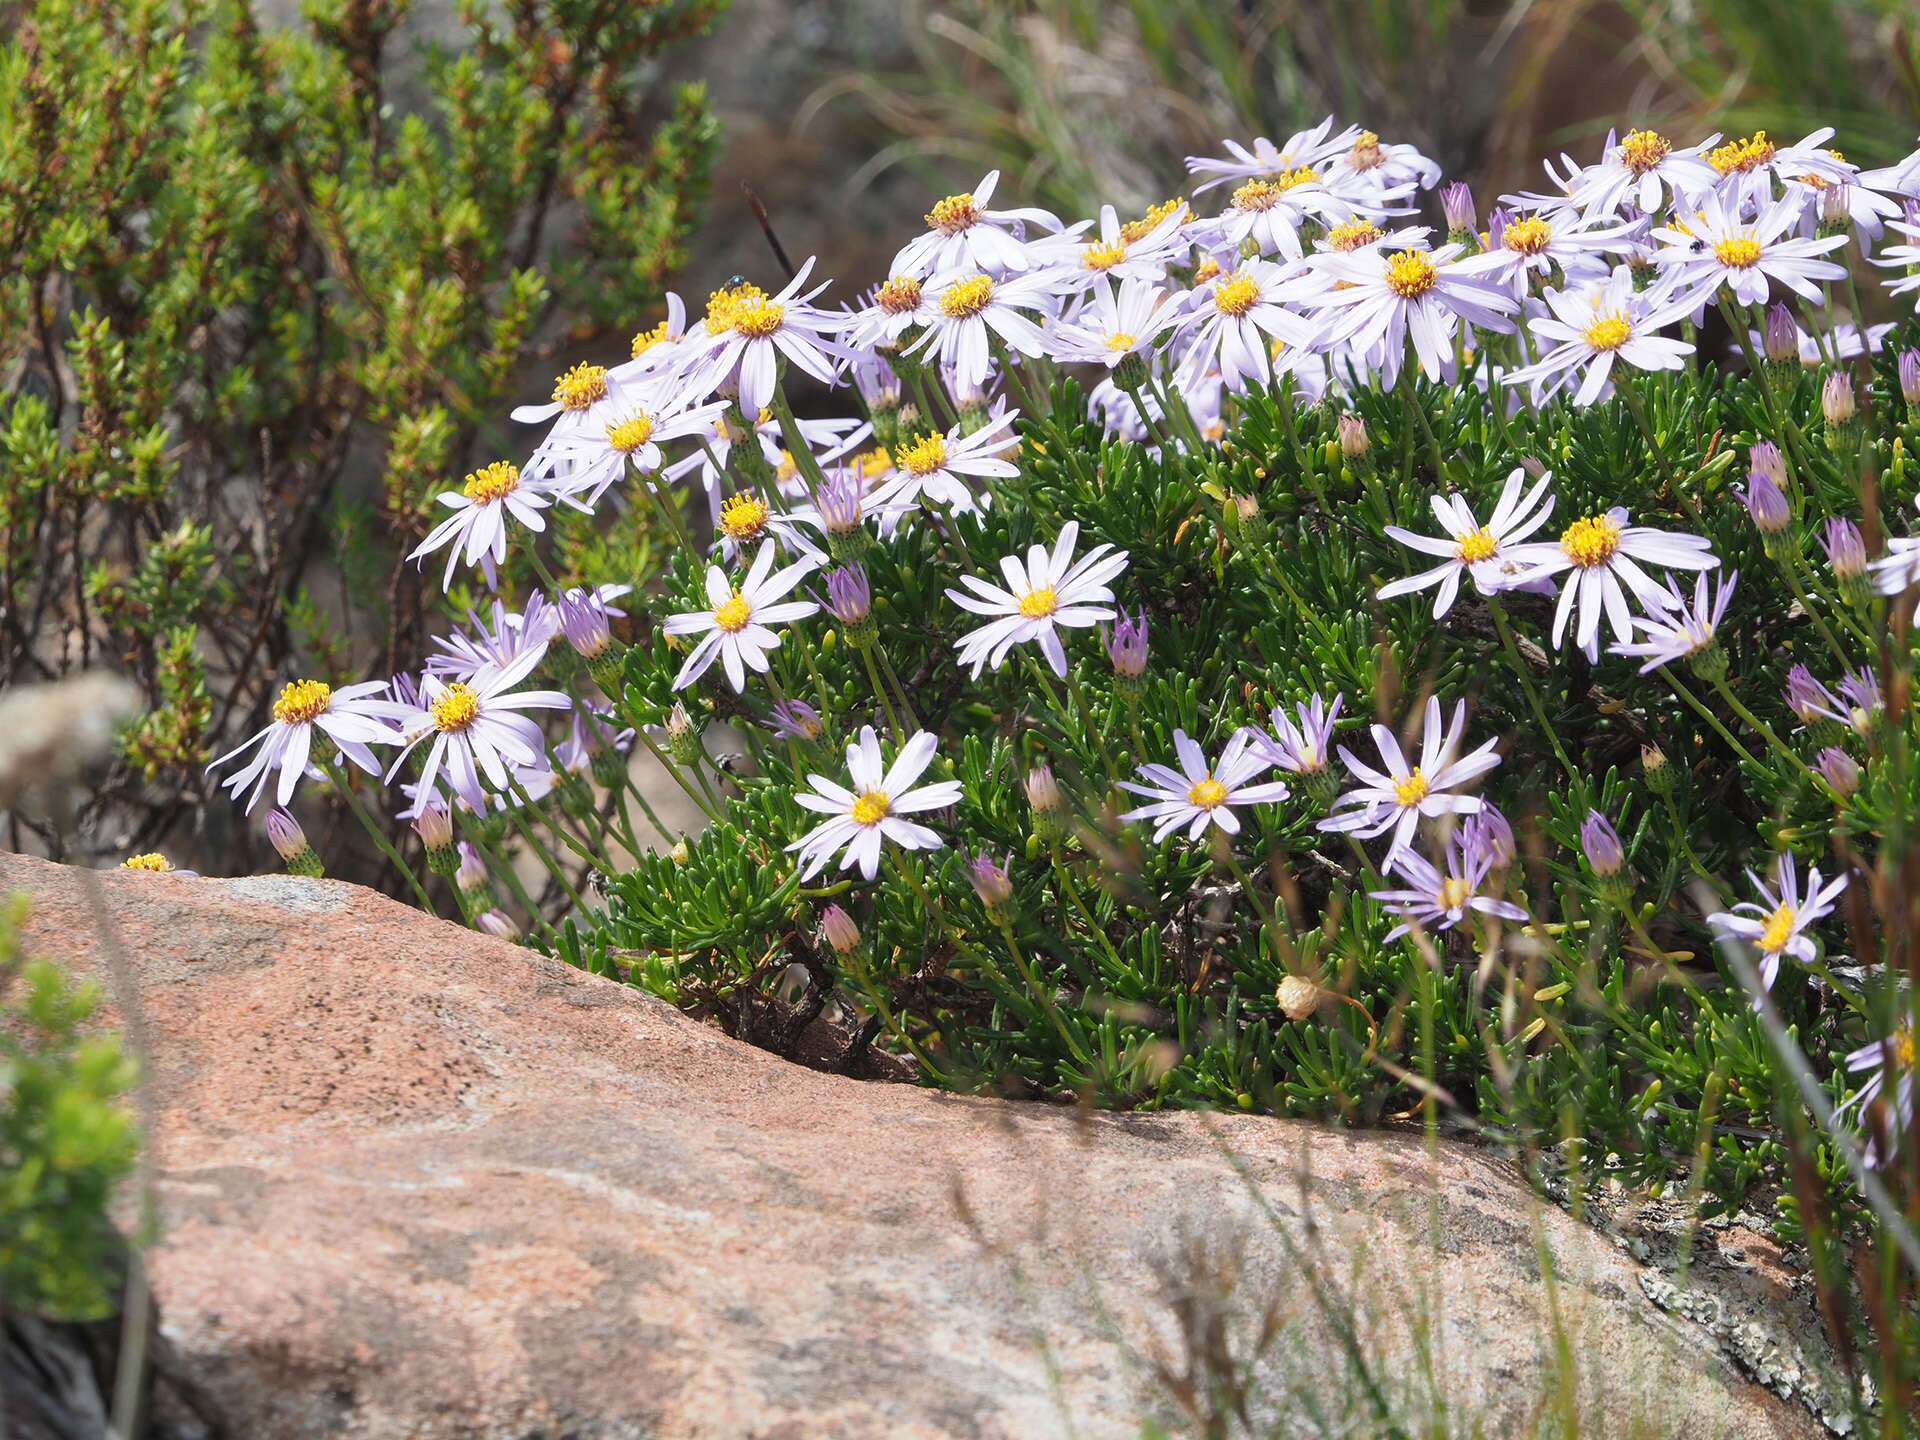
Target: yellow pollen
954,214
743,517
1454,892
1410,274
1779,930
1642,150
1353,235
1366,153
1591,541
1412,790
869,807
1258,195
1609,332
733,616
581,386
1120,341
757,322
1208,794
967,297
1477,545
456,707
1742,155
647,339
1740,252
1901,1044
1102,257
302,700
493,482
630,434
723,305
1236,296
152,860
873,463
1527,237
900,295
1205,270
787,468
923,456
1134,231
1038,604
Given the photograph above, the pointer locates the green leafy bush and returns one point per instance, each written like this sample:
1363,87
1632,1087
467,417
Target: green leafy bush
67,1139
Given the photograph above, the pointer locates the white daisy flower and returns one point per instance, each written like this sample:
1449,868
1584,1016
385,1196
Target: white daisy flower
1470,547
747,352
1138,250
1905,258
1599,556
969,306
1748,168
1197,796
870,812
1433,901
351,718
582,464
477,529
931,468
1304,147
1898,571
1111,327
963,233
1526,247
1050,590
1639,172
1595,325
1231,321
1777,924
1681,633
892,308
1375,302
738,627
1389,171
1395,798
1892,1059
477,729
1716,247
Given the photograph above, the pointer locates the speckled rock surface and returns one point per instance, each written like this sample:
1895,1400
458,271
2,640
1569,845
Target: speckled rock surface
420,1183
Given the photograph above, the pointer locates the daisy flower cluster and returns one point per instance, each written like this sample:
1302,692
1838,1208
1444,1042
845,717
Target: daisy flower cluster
1240,552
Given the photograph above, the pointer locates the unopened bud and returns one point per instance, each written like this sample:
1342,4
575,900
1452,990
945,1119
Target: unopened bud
1463,221
1600,843
1299,997
1840,770
1836,399
991,883
291,841
1765,456
471,873
842,934
1662,778
683,737
1782,337
1131,373
435,826
1766,504
1353,437
1910,376
496,923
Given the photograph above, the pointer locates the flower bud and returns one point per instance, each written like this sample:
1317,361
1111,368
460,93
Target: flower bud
1765,456
1836,399
1662,778
1846,550
1353,437
850,601
681,852
1782,338
683,737
1126,646
1910,376
842,934
796,720
1835,215
991,883
842,510
496,923
1488,834
1600,843
1463,222
291,841
1766,503
1131,373
1299,997
471,874
583,620
1839,770
435,826
1049,805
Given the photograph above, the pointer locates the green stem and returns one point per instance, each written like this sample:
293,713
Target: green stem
1712,719
554,868
1040,996
340,783
1719,683
1533,697
880,690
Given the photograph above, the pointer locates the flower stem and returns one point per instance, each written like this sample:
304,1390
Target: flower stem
379,836
1526,684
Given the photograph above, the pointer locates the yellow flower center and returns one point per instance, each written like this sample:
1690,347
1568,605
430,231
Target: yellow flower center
869,807
1527,237
1901,1044
1236,296
1742,155
873,463
630,434
733,616
1353,235
152,860
1119,341
1591,541
455,707
581,386
954,214
923,456
302,700
1205,270
757,322
723,305
1102,257
899,296
1740,251
1037,604
1779,930
647,339
966,298
1410,274
1477,545
493,482
1208,794
1366,153
1134,230
743,517
1642,150
1454,892
1412,790
1257,195
1609,332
